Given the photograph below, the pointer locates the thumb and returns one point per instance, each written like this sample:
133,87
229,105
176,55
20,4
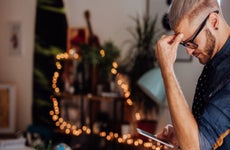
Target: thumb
166,131
178,38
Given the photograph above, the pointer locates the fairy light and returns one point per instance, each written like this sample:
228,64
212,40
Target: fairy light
127,94
108,138
60,120
114,71
116,135
115,65
67,131
130,141
55,117
147,144
51,112
62,126
88,131
73,129
58,65
57,124
120,140
102,53
84,128
57,90
138,116
68,126
136,143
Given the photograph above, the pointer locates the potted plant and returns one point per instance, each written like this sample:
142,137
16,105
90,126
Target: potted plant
101,60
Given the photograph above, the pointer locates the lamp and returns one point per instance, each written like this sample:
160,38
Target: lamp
151,83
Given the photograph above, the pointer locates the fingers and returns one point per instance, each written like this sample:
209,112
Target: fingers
173,39
168,130
178,38
165,131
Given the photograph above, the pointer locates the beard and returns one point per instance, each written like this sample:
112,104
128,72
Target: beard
209,47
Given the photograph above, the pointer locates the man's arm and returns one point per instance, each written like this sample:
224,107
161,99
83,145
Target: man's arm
183,121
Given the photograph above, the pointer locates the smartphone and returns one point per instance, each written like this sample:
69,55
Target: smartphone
153,137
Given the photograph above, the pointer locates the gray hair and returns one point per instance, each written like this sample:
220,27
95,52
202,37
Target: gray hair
190,9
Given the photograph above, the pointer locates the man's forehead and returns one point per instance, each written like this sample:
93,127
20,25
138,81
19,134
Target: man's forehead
186,27
182,26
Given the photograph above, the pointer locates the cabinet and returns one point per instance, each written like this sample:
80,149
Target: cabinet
97,112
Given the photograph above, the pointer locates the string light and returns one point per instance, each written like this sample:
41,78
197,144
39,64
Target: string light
102,53
68,128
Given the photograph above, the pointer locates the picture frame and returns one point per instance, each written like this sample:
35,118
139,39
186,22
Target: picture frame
15,38
7,107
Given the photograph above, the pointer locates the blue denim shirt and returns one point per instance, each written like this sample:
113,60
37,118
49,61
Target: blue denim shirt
214,123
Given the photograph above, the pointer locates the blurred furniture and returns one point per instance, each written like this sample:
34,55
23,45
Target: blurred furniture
91,110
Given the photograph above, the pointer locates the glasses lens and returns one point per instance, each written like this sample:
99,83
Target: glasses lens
190,45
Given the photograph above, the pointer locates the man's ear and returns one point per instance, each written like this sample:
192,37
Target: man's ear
214,21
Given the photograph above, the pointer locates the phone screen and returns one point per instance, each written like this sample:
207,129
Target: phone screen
151,136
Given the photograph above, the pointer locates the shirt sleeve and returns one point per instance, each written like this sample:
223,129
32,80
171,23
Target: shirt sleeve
215,120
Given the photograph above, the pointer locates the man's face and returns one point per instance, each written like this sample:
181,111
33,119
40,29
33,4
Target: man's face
198,40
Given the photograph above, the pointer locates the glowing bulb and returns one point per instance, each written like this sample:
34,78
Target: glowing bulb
57,124
102,52
129,102
51,113
115,65
113,71
130,141
67,131
116,135
103,134
88,131
108,137
138,116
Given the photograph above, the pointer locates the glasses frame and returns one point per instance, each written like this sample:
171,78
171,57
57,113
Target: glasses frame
190,42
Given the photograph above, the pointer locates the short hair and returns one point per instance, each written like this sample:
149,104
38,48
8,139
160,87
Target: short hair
189,8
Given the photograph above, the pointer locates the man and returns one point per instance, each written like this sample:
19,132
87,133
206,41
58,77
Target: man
200,27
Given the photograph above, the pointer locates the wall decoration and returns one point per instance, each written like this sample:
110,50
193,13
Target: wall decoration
7,107
15,39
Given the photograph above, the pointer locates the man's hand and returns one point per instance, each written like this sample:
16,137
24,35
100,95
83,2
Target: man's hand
169,135
166,50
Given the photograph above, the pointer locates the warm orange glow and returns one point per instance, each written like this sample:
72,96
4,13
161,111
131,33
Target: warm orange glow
69,128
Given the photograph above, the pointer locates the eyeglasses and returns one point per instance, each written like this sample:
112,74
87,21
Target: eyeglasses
190,42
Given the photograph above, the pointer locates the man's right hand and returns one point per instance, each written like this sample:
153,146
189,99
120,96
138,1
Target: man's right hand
166,50
169,135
